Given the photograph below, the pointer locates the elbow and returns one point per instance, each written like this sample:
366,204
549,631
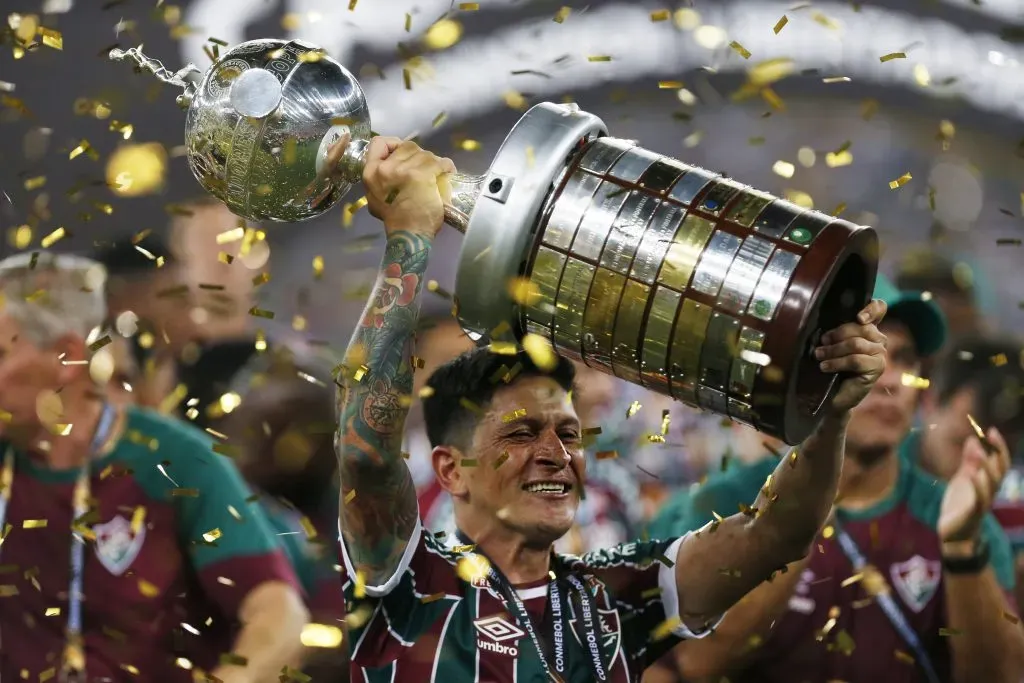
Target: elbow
785,545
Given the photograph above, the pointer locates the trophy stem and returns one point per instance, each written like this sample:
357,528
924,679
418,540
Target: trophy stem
462,189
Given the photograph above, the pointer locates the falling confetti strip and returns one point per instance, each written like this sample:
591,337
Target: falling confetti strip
900,182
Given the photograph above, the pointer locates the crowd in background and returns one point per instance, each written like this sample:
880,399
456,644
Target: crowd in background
190,351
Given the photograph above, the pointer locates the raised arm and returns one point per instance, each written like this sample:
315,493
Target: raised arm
378,501
725,560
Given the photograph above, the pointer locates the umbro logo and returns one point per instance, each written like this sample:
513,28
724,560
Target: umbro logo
497,630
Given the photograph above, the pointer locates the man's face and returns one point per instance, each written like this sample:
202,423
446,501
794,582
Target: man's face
535,490
946,430
26,371
884,417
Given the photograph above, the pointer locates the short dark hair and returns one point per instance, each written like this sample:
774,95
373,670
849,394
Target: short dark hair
465,385
992,367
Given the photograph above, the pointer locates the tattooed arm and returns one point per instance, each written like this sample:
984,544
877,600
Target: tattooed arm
378,500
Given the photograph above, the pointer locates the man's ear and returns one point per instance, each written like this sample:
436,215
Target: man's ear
445,460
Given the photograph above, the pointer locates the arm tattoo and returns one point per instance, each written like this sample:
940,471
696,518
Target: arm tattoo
373,396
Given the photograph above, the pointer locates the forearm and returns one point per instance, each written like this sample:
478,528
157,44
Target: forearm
741,632
986,646
378,498
725,560
270,638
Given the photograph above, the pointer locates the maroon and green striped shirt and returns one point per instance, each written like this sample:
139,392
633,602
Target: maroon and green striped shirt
426,623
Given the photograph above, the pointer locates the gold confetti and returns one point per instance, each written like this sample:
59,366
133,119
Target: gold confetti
350,496
999,360
910,380
661,15
515,100
138,518
439,119
35,183
427,599
514,415
470,406
260,313
100,343
231,659
665,628
472,568
33,524
783,168
950,632
606,455
52,612
599,58
212,535
903,657
229,236
670,85
562,14
147,589
468,462
780,24
891,56
540,351
360,373
836,79
469,6
633,409
469,145
740,50
501,460
184,493
900,182
52,38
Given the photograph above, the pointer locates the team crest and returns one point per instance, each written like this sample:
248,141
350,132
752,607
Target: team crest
610,627
116,545
916,581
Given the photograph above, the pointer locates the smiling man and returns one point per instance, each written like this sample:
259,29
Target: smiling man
507,446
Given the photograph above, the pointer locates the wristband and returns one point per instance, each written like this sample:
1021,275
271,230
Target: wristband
974,564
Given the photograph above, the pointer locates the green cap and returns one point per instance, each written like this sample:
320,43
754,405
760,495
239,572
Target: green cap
921,315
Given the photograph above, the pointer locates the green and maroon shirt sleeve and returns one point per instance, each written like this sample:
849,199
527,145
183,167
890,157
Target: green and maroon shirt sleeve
220,525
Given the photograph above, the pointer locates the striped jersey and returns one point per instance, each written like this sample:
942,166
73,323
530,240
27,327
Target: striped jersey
427,623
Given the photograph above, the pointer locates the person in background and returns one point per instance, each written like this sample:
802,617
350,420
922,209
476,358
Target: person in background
951,283
903,561
981,379
283,431
126,523
192,311
507,445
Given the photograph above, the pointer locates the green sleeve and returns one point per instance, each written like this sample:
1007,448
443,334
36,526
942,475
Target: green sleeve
1000,554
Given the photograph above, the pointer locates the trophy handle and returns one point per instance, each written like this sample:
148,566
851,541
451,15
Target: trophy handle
460,190
186,78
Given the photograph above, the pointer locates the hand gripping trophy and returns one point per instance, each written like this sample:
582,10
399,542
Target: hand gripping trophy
664,274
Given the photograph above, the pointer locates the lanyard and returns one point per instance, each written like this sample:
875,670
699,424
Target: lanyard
558,622
73,665
889,607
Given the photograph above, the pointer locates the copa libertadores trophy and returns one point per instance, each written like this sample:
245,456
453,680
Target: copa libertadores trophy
664,274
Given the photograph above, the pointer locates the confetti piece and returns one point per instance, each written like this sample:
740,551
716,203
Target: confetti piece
231,659
910,380
503,348
661,15
52,38
473,568
665,628
427,599
606,455
147,589
350,496
33,524
185,493
408,22
562,14
470,406
138,518
891,56
851,580
783,168
468,462
407,79
633,409
740,50
229,236
950,632
360,373
780,24
469,6
52,238
599,58
35,183
100,343
260,313
900,182
1008,242
670,85
514,415
836,79
540,352
903,657
501,460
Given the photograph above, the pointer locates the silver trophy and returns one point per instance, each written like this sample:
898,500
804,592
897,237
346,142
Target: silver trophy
662,273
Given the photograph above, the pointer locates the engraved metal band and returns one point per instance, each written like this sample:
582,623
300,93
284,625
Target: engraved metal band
657,335
662,174
712,399
627,231
684,251
717,198
570,305
776,217
741,411
743,373
632,164
804,229
690,185
719,350
602,153
541,330
599,318
569,209
597,221
686,350
715,262
628,325
745,210
743,275
651,252
773,284
547,271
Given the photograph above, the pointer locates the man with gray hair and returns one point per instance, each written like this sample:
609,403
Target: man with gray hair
138,554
